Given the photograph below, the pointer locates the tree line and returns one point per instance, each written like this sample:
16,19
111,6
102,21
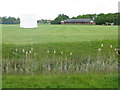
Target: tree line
43,21
13,20
99,19
9,20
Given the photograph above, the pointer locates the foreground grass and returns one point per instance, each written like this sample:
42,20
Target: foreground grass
61,81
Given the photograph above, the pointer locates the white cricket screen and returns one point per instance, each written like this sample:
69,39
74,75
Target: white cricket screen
28,21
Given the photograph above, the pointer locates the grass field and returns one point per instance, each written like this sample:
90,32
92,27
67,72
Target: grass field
12,34
61,81
53,55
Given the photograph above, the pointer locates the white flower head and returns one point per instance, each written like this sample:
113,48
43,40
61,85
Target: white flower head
111,46
34,54
48,51
32,49
70,53
99,49
102,45
61,52
30,52
16,50
116,49
117,52
26,52
54,51
23,50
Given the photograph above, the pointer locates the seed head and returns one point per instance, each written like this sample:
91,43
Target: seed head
102,45
117,52
48,51
70,53
26,52
99,49
116,49
16,50
54,51
32,49
23,50
34,54
111,46
61,52
30,52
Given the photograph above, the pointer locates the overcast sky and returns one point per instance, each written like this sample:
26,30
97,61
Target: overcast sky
49,9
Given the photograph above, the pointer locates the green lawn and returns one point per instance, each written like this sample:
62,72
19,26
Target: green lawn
12,34
83,41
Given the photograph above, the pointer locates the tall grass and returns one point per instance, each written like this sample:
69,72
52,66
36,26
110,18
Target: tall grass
24,61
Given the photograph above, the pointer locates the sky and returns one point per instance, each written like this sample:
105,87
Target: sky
49,9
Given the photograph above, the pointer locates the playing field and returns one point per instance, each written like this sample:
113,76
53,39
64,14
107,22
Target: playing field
12,34
60,56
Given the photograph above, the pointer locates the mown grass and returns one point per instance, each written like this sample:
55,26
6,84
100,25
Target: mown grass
83,41
12,34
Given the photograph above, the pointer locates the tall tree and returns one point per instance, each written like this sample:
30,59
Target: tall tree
60,18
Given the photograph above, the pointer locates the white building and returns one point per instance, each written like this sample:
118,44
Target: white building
28,21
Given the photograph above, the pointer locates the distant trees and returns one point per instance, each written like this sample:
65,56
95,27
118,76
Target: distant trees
107,18
9,20
87,16
58,19
42,21
99,19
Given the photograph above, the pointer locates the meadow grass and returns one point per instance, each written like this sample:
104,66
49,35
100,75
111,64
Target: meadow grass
61,81
77,48
91,47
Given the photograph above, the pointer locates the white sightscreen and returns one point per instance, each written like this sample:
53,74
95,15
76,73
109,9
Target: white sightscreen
28,21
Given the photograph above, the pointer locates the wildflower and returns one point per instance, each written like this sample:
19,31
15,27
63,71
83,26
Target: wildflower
99,49
111,46
26,53
54,51
30,52
23,50
34,54
31,49
117,52
48,51
61,52
116,49
102,45
16,50
70,53
21,69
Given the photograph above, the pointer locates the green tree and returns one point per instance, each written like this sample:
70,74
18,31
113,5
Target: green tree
10,20
60,18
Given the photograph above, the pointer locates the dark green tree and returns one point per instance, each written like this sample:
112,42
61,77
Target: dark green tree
60,18
10,20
